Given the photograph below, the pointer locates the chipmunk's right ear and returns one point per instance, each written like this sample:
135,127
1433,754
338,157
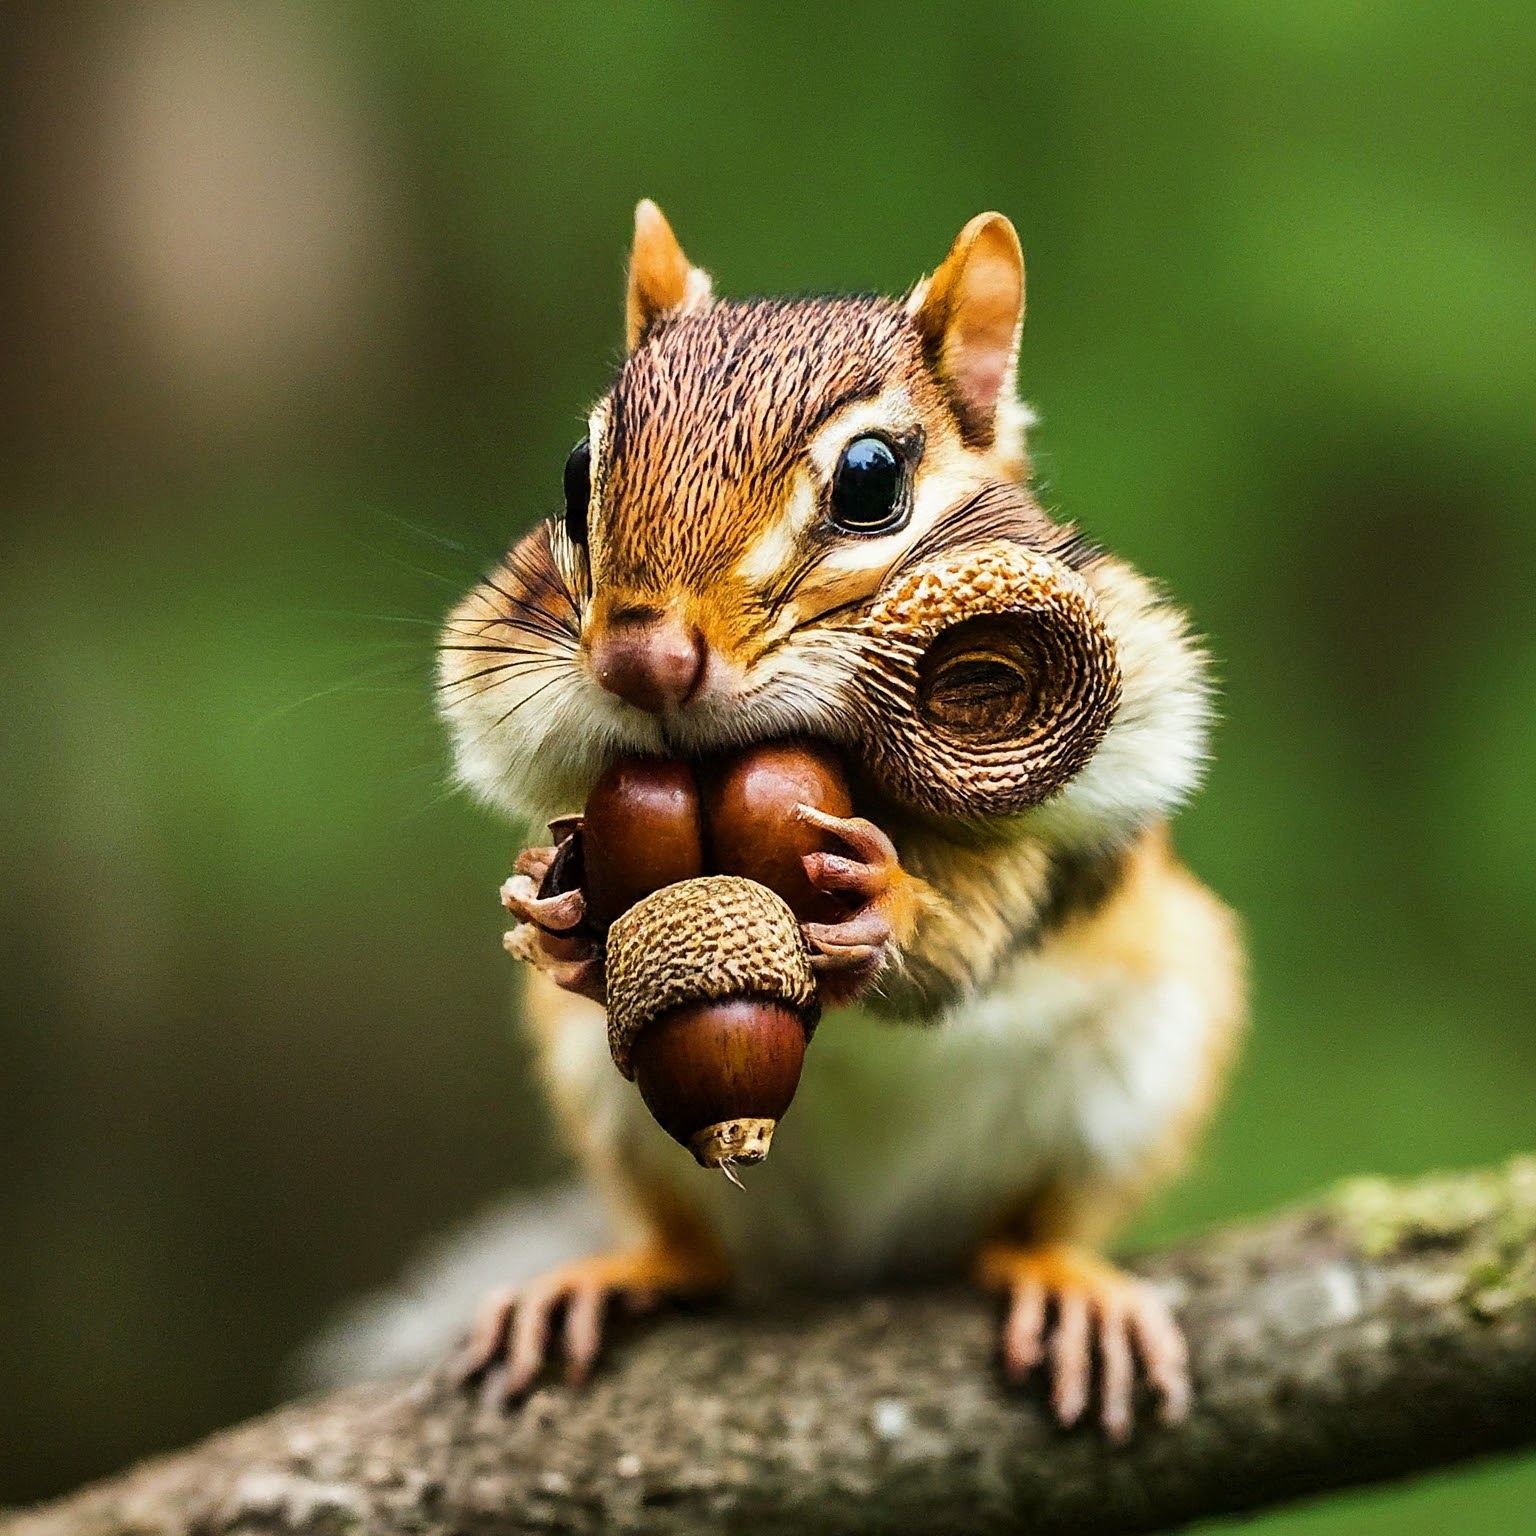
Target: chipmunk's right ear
969,315
661,280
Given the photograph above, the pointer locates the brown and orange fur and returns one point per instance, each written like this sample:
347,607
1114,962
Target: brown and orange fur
1046,1004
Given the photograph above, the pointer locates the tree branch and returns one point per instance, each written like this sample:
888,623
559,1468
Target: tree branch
1384,1330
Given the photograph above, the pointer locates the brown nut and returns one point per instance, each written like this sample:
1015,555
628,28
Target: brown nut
749,810
641,831
719,1076
711,997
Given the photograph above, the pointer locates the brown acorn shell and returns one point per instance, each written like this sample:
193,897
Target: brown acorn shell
711,1000
749,812
718,1077
641,830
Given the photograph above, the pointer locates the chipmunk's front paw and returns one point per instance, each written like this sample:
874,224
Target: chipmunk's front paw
510,1342
550,932
850,953
1094,1304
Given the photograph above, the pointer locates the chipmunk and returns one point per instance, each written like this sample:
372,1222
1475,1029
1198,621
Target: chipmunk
1029,1017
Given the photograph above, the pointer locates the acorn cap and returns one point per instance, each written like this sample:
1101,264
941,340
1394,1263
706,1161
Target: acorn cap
988,680
708,940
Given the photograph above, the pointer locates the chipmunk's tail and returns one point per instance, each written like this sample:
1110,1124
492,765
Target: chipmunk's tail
416,1322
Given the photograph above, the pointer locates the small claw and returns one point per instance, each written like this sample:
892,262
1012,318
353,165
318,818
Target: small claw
512,1337
524,943
1071,1358
844,957
568,962
1107,1323
868,926
527,1342
856,948
487,1338
864,839
583,1332
1164,1352
557,914
1117,1372
840,876
534,862
1024,1329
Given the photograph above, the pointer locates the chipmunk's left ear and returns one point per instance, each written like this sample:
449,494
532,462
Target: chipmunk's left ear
661,279
969,315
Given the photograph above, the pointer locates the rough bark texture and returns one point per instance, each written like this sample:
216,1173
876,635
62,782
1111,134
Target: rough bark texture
1386,1329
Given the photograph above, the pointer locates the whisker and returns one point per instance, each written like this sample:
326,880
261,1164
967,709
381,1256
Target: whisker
363,682
496,724
506,666
431,535
454,583
529,615
371,618
499,650
527,698
557,535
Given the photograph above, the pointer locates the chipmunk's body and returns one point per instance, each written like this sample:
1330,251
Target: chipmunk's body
1046,1001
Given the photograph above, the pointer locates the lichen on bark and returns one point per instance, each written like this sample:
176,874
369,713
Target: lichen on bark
1488,1215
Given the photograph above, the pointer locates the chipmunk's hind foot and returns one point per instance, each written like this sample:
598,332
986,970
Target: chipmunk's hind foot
511,1339
1097,1310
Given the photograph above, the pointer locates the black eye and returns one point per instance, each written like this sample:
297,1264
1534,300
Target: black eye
869,490
578,491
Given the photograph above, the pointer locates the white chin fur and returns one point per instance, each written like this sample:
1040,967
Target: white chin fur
541,761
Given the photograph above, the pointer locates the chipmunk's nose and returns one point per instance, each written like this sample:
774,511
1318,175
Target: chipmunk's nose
651,660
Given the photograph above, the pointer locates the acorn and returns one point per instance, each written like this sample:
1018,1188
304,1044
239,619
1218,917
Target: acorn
711,1000
711,995
641,830
749,810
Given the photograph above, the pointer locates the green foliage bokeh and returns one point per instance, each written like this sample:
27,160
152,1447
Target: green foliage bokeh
258,1033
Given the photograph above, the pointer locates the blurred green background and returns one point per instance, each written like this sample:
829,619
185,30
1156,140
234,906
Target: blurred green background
299,312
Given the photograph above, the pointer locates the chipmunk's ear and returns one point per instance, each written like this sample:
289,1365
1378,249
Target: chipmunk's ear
661,281
969,314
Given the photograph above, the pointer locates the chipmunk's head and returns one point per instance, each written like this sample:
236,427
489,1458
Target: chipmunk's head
755,462
757,472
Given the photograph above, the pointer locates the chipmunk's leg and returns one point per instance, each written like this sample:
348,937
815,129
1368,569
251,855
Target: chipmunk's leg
549,932
514,1326
1097,1309
883,900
